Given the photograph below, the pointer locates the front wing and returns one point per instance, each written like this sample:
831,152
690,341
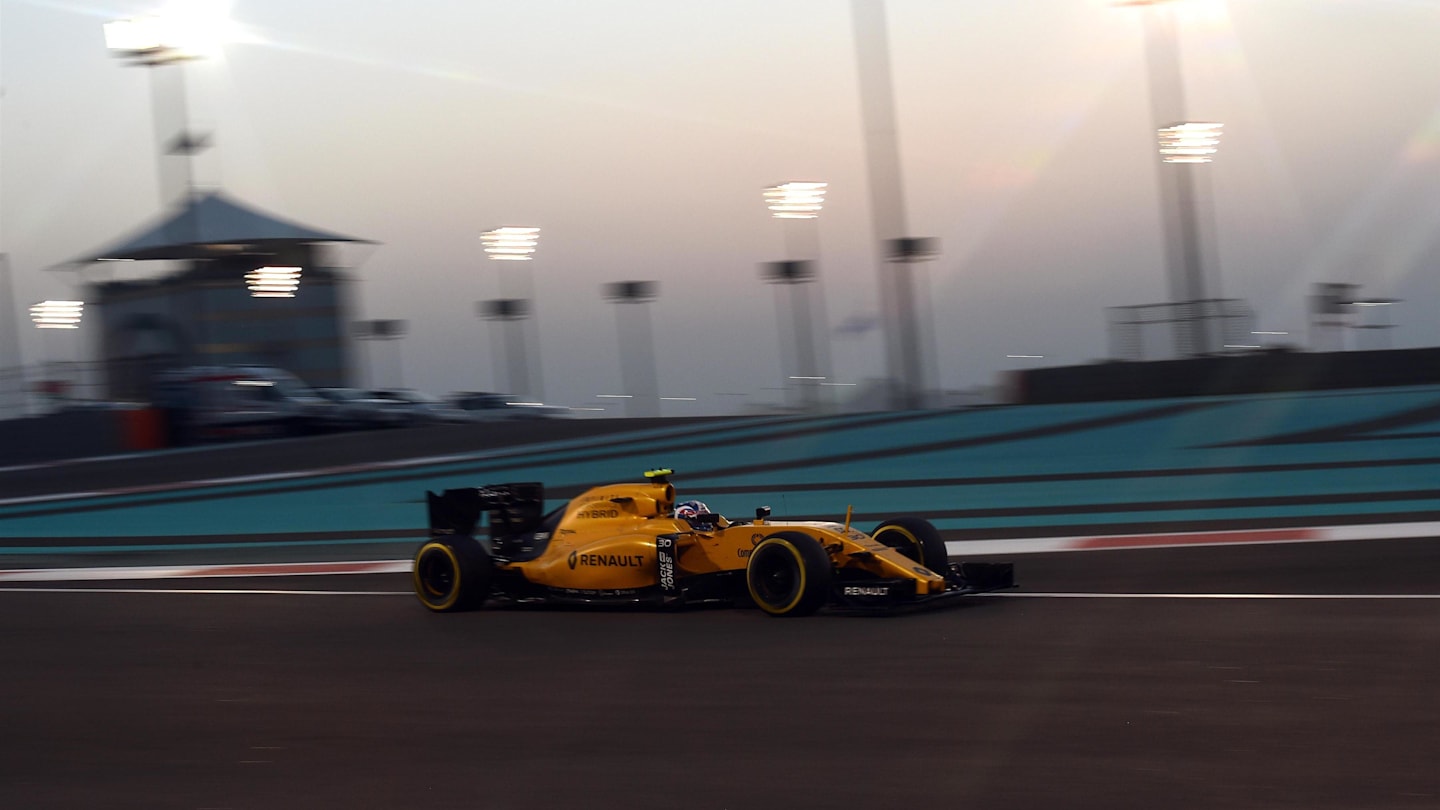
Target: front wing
898,595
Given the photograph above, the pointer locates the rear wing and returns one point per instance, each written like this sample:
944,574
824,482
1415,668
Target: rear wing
513,509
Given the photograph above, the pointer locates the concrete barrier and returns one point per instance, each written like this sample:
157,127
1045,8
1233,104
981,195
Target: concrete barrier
67,434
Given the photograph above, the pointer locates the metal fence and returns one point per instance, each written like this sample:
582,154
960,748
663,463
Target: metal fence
1173,330
39,388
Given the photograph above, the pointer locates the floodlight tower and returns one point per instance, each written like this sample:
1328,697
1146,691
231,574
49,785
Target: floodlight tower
157,41
905,366
637,344
385,330
513,314
797,205
508,314
1184,146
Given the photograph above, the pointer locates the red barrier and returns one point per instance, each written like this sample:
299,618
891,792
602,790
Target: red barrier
142,429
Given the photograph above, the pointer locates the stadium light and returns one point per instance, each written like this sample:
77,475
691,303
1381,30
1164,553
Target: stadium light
510,243
151,40
194,30
1191,142
57,314
273,282
796,200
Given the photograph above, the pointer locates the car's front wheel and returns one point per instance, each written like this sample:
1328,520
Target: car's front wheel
917,539
452,574
789,574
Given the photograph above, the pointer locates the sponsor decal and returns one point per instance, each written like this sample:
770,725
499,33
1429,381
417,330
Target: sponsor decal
924,572
597,514
593,560
665,557
595,592
755,539
866,590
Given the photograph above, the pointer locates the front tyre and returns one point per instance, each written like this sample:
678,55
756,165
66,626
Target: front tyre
789,574
452,574
917,539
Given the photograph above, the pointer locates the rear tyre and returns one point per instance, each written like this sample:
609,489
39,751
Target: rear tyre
789,574
917,539
452,574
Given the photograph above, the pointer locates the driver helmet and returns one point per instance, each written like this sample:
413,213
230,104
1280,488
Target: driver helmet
689,510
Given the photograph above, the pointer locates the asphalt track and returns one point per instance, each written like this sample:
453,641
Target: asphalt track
1146,678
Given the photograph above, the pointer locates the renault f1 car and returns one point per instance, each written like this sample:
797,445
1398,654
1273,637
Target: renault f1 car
626,544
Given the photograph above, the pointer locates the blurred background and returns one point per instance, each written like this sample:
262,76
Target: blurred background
773,245
1014,145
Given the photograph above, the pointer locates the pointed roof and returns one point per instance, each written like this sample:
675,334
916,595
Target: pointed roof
211,225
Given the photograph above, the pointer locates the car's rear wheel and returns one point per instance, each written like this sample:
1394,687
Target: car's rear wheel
452,574
917,539
789,574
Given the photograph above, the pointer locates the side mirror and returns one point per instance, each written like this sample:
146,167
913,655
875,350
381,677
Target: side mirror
761,513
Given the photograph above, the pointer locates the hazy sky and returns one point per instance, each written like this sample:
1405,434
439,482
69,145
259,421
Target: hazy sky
638,135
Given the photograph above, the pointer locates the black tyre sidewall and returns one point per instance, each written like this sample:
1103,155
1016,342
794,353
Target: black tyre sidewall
807,563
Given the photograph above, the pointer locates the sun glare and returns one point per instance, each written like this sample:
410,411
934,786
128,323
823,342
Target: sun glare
196,29
1202,14
192,28
200,27
1190,13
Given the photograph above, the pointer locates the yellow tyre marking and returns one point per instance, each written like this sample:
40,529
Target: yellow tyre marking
799,563
914,541
421,588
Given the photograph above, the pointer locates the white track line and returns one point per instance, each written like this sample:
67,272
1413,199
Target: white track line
203,571
1010,595
1320,596
1115,542
204,591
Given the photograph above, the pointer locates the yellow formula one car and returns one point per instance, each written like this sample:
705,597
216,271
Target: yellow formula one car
629,544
